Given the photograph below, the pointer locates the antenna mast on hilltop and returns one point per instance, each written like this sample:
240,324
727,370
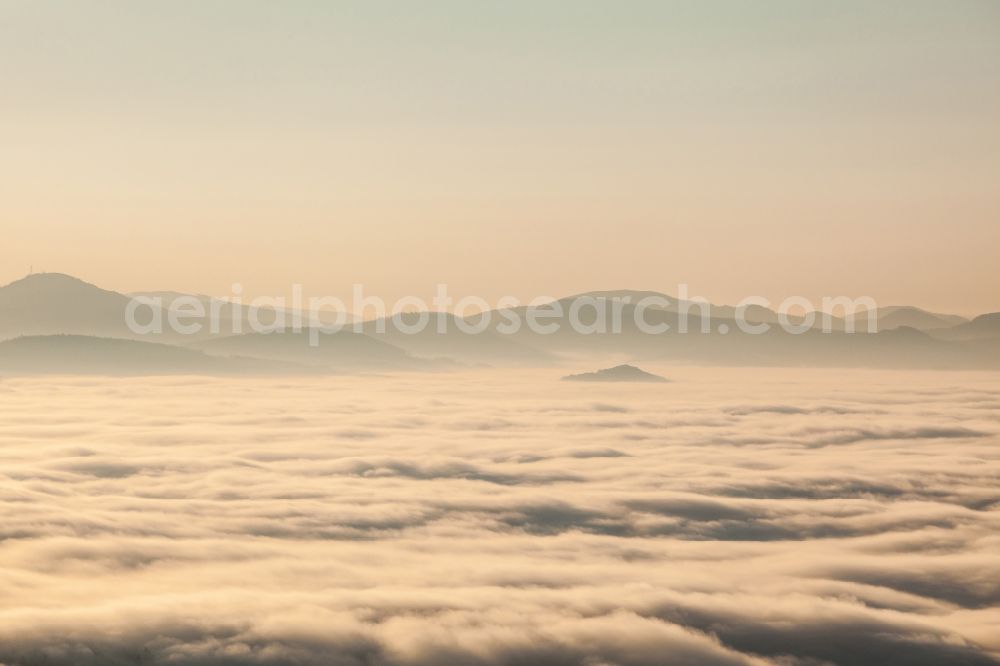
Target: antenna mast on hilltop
31,269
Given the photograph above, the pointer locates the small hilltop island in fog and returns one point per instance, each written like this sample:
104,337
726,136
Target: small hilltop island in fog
619,373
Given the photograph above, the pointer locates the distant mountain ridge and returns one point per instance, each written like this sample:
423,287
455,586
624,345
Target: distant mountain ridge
80,354
53,304
983,327
895,316
341,350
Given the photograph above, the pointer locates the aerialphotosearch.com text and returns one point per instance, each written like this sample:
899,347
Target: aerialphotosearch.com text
591,314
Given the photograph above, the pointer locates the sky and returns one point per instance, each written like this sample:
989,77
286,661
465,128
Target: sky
520,148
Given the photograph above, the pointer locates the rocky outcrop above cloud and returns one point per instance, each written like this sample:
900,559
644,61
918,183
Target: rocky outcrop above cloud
619,373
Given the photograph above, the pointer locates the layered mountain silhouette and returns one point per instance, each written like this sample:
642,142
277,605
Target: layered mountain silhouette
443,337
51,322
341,350
887,318
233,318
896,316
79,354
983,327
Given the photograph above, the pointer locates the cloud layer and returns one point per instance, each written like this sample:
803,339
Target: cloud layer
782,517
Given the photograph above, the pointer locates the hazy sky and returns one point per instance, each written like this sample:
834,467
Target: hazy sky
522,148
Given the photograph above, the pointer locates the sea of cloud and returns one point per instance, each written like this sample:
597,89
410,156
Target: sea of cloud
732,516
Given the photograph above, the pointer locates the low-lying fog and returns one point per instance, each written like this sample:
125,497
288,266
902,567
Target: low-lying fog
785,517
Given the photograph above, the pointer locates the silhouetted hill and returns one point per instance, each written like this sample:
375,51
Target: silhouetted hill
983,327
51,303
619,373
895,316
